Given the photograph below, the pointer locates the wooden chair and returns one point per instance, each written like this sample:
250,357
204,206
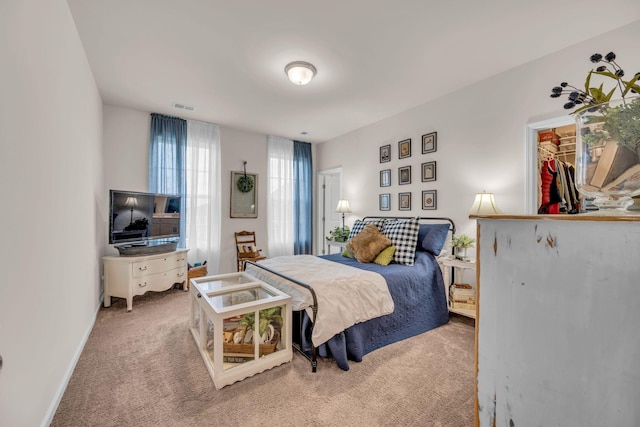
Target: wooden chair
246,249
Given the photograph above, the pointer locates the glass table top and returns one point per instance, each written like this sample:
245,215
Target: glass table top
235,297
207,285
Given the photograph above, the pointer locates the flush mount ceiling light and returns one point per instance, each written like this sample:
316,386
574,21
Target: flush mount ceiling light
300,72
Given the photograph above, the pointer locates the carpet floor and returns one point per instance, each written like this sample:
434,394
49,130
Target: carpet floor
143,369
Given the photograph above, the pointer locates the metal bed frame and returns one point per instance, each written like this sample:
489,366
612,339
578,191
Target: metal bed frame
312,355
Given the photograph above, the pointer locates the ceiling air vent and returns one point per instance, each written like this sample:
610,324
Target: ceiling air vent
183,107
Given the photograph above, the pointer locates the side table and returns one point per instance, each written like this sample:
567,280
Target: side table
339,245
447,264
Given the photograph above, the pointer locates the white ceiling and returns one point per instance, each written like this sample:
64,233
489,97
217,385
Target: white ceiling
374,58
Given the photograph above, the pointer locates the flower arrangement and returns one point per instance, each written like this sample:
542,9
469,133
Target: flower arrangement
620,123
591,97
607,120
462,241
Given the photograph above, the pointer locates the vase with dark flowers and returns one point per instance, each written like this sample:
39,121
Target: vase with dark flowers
608,134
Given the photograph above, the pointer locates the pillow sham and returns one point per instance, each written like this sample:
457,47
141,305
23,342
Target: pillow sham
386,256
404,236
368,243
359,225
432,237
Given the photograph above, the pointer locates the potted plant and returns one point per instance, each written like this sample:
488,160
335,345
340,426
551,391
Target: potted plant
269,320
460,243
607,118
339,234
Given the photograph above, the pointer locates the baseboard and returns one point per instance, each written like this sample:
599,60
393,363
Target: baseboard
67,377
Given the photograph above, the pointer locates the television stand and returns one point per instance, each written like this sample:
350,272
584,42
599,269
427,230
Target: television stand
125,277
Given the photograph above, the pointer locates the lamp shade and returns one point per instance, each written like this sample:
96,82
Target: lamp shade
131,201
343,206
300,72
484,204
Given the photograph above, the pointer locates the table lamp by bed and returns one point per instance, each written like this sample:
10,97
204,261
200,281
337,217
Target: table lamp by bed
484,204
343,208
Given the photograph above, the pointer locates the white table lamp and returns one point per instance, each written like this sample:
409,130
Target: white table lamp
343,208
484,204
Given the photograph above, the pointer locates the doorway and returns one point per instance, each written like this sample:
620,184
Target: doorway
329,191
531,155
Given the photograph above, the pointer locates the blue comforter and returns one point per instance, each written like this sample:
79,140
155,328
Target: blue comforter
420,305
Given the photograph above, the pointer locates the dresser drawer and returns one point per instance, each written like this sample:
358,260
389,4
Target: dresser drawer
158,265
159,282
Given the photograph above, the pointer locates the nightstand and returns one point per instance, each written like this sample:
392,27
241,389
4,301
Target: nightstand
339,245
447,264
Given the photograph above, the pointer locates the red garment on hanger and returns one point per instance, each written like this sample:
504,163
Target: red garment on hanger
550,194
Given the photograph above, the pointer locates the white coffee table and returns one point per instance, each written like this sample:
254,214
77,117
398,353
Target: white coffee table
221,308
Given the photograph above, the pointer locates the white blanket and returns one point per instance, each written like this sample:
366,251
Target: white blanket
346,295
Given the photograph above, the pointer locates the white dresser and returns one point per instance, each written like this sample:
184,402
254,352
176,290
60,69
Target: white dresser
126,277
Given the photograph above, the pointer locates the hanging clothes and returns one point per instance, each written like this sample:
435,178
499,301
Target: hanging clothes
558,193
550,194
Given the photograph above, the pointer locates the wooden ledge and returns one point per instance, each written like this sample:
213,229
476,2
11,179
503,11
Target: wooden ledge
563,217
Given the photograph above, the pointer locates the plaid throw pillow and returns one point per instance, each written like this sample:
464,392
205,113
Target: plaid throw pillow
359,225
404,236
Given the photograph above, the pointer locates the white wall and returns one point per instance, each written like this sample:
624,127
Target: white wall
54,210
481,135
125,155
238,146
126,166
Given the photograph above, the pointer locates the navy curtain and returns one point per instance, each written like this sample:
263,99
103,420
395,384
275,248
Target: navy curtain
302,198
167,162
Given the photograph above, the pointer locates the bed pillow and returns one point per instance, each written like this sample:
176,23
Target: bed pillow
386,256
359,225
404,236
368,243
431,237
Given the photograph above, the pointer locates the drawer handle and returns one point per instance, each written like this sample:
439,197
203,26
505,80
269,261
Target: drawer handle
142,268
141,285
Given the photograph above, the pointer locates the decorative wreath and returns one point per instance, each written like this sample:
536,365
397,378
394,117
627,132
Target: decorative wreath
245,184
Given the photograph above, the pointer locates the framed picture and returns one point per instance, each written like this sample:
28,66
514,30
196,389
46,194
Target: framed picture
404,201
404,149
385,153
385,202
404,175
385,178
429,171
244,195
429,199
430,143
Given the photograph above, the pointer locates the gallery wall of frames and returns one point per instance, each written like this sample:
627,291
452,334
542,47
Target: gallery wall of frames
402,175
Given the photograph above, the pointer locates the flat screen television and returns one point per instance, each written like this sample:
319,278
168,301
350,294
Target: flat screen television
142,218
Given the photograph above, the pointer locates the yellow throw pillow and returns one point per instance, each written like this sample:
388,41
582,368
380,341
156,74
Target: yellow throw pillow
386,256
347,253
368,244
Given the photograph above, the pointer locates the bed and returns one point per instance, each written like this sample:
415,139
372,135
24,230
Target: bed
414,282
